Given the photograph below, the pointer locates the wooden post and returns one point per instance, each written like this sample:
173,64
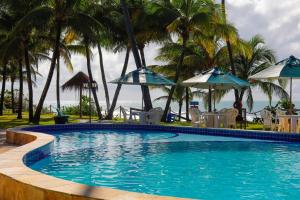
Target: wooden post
80,102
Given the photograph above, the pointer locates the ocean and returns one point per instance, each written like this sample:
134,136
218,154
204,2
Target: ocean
257,106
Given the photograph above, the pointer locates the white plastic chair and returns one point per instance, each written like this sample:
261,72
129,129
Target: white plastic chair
298,126
196,117
223,117
267,120
125,116
282,123
154,116
230,117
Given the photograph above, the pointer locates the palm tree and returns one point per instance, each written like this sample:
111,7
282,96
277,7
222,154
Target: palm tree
260,58
189,16
21,33
4,77
59,15
12,74
229,48
20,103
134,48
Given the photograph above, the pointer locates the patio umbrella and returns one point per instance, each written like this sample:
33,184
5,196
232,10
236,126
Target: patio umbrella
286,69
216,79
143,76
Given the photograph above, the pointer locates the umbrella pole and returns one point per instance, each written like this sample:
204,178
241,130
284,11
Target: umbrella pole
209,99
80,102
214,100
291,91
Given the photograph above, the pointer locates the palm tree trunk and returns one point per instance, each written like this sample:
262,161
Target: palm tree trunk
88,61
57,82
187,115
29,81
145,90
119,86
20,104
177,75
103,77
141,48
50,75
4,72
180,109
229,48
12,95
209,100
80,102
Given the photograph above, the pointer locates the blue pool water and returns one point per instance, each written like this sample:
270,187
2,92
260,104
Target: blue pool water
181,165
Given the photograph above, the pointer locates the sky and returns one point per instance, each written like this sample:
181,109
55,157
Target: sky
277,21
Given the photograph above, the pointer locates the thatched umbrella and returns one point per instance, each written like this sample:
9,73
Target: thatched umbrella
76,83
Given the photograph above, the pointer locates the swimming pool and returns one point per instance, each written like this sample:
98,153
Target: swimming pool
175,164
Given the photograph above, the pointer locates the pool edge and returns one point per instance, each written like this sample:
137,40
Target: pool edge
17,181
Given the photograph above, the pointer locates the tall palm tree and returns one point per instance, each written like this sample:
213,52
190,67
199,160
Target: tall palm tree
4,78
189,16
20,103
136,55
59,15
103,77
229,48
22,33
259,58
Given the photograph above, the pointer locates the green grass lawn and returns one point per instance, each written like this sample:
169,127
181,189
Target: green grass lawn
9,120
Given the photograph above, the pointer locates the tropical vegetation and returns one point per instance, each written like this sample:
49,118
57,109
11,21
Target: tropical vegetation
193,35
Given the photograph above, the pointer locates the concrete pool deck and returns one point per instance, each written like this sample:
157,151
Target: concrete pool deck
17,181
4,147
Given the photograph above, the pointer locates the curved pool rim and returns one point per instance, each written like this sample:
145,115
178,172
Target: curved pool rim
18,180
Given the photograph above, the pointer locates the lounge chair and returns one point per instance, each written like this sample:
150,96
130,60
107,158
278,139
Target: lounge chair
196,117
267,117
230,117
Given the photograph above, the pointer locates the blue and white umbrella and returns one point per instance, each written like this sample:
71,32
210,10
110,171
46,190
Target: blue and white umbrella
143,76
286,69
216,79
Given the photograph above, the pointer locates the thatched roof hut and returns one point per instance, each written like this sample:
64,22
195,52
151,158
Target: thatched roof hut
76,83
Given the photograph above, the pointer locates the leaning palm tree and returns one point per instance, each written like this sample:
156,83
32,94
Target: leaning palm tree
189,16
260,58
59,15
17,10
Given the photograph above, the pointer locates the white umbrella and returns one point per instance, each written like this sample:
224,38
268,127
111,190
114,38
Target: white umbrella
286,69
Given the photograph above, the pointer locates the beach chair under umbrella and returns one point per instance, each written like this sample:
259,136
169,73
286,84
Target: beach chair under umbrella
216,79
286,69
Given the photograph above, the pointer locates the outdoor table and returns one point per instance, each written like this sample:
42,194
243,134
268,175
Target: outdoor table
213,119
293,120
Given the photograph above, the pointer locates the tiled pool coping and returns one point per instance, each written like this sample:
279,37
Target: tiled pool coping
17,181
262,135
